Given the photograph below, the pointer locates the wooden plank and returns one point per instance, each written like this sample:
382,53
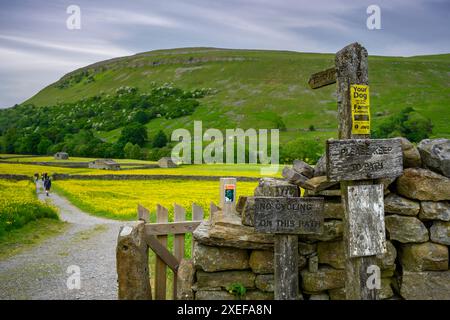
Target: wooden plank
143,213
167,228
359,159
286,267
160,267
322,78
197,212
197,215
213,208
289,215
178,243
352,68
366,235
162,252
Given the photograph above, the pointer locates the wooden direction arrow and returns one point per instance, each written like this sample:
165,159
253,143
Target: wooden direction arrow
322,78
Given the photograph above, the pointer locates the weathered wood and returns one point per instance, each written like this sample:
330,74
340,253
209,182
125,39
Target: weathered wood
283,215
132,264
160,268
352,68
143,213
286,267
213,208
228,195
322,78
162,252
197,215
178,243
366,220
159,229
359,159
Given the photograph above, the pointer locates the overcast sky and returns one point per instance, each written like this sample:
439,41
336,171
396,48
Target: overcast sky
37,48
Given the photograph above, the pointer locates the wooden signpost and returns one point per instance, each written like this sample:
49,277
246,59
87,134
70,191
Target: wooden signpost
359,159
287,217
352,160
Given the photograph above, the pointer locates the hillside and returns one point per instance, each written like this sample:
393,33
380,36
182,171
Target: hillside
254,86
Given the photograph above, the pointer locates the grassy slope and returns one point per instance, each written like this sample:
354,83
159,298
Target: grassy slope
254,85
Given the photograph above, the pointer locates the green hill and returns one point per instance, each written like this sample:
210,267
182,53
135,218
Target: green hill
254,86
224,88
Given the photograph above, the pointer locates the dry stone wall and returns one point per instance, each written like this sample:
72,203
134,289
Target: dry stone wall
229,252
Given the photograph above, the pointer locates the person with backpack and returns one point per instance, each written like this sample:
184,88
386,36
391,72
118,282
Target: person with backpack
47,184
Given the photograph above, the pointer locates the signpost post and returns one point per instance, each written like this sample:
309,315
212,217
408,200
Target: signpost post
353,160
287,217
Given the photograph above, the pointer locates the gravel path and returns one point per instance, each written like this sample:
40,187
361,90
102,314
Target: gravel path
41,272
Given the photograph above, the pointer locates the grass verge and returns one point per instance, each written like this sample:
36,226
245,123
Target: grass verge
30,235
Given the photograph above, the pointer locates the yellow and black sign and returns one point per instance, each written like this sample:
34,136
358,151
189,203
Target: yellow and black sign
359,98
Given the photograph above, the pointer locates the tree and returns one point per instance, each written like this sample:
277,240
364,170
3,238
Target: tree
136,152
279,123
141,117
127,150
160,140
44,145
135,133
407,123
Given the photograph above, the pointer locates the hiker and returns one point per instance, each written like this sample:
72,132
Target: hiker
47,184
36,177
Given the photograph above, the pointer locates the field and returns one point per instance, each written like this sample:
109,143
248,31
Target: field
19,205
119,199
255,86
243,170
22,159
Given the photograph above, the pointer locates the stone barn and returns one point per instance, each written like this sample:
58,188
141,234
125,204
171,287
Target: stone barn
105,164
61,156
166,162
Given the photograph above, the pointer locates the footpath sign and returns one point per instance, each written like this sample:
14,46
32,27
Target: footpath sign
359,159
287,217
354,160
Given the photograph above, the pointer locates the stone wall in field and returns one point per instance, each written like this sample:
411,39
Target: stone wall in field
227,250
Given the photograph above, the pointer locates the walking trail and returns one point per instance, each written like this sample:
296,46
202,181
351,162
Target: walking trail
42,272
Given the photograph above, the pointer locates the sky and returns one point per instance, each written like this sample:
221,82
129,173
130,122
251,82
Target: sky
37,48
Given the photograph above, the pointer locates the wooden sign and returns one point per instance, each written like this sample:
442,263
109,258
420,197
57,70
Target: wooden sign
322,78
289,215
360,104
366,220
359,159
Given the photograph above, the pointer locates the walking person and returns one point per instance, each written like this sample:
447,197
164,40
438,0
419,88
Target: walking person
47,184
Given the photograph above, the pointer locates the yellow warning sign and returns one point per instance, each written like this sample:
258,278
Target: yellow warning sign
359,98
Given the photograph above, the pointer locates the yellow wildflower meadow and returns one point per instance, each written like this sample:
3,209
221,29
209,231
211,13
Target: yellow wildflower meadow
19,205
119,199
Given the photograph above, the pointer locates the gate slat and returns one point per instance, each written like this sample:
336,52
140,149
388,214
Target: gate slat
178,243
160,267
197,215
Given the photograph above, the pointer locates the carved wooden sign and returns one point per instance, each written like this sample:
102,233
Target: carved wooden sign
322,78
289,215
366,219
359,159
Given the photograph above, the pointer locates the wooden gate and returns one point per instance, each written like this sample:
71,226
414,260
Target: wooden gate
134,243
